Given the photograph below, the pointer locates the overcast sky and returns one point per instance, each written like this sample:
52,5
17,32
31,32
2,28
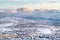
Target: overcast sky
47,4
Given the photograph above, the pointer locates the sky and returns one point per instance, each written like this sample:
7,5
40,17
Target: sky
36,4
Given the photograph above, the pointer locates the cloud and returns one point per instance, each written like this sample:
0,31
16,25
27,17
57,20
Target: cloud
19,0
52,2
44,5
14,0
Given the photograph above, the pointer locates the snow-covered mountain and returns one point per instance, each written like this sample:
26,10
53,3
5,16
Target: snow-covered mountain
37,16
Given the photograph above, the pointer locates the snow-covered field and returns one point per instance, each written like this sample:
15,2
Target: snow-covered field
36,25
